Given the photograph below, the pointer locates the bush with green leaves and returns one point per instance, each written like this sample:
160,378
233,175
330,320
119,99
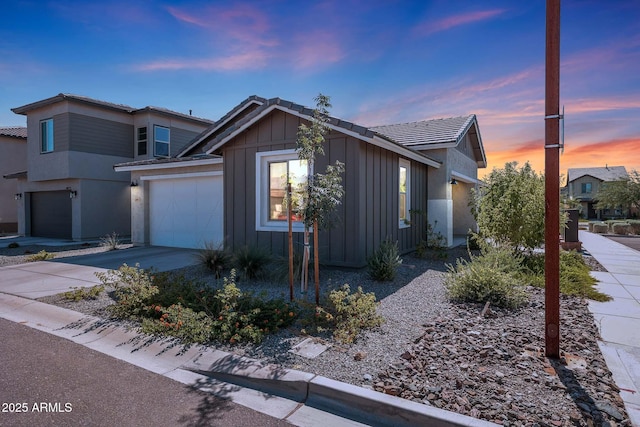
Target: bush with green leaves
170,304
79,294
575,277
134,289
384,263
491,276
621,228
509,209
41,256
250,261
215,258
352,312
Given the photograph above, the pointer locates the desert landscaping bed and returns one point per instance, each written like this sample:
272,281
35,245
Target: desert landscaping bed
432,351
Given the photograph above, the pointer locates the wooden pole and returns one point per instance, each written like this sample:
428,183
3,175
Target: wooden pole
552,181
316,261
290,221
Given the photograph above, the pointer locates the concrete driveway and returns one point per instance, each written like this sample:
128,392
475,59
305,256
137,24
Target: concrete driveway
43,278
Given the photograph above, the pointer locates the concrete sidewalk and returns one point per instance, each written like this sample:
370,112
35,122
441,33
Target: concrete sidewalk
618,320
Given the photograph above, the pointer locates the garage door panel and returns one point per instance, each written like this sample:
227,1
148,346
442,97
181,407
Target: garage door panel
186,212
51,214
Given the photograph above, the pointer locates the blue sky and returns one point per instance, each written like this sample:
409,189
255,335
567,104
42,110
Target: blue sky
380,61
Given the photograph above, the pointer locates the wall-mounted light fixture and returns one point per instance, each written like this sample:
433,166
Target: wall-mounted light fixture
134,184
72,194
18,196
453,181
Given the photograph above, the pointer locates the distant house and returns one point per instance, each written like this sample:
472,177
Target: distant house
226,186
68,188
13,156
583,185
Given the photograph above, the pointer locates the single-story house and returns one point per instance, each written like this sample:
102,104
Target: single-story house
13,156
226,186
68,188
583,185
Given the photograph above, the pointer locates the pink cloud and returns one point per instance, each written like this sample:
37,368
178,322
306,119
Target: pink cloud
240,23
430,27
248,60
317,49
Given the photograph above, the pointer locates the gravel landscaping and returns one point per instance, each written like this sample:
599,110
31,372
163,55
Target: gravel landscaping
448,355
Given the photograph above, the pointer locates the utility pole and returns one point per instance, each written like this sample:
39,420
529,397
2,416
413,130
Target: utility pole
552,181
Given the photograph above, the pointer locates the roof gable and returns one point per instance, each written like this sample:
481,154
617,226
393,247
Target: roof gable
437,133
334,123
607,173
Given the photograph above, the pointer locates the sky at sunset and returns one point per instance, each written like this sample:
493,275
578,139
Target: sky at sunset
381,62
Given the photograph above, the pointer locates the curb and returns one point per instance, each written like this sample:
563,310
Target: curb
300,398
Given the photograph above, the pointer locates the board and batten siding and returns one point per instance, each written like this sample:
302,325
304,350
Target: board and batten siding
369,210
99,136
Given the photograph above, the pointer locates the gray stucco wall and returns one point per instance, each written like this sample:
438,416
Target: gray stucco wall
12,160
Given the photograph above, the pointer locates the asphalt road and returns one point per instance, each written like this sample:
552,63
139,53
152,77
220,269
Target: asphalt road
55,382
631,241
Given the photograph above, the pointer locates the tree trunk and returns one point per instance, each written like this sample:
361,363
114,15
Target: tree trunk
316,261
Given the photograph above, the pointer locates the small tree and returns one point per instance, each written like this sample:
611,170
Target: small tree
509,209
322,192
624,192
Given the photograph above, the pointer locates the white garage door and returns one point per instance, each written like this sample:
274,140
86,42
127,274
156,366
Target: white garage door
186,212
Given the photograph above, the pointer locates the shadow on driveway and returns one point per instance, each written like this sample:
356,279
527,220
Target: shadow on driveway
159,257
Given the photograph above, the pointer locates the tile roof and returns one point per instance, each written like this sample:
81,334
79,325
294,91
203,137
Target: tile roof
427,131
168,160
14,131
607,173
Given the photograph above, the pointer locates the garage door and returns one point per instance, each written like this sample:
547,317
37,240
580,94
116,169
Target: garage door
51,214
186,212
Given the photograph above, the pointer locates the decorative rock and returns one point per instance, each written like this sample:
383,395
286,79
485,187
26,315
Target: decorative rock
359,355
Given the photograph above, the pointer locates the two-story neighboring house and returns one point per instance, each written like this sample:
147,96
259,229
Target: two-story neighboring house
13,156
69,188
583,185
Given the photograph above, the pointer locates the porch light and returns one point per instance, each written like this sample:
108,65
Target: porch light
72,194
453,181
18,196
134,184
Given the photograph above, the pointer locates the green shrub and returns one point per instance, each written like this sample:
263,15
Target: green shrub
352,312
634,224
384,262
78,294
575,278
621,228
180,322
13,245
474,241
41,256
171,305
491,276
215,258
133,290
250,261
600,228
433,245
110,242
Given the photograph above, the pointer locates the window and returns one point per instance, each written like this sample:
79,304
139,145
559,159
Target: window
46,136
142,141
404,201
272,171
161,141
586,187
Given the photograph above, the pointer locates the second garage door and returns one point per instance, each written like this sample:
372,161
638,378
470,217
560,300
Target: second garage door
186,212
51,214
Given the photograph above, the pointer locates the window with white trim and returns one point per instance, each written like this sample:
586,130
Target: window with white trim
404,199
161,141
273,170
46,136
